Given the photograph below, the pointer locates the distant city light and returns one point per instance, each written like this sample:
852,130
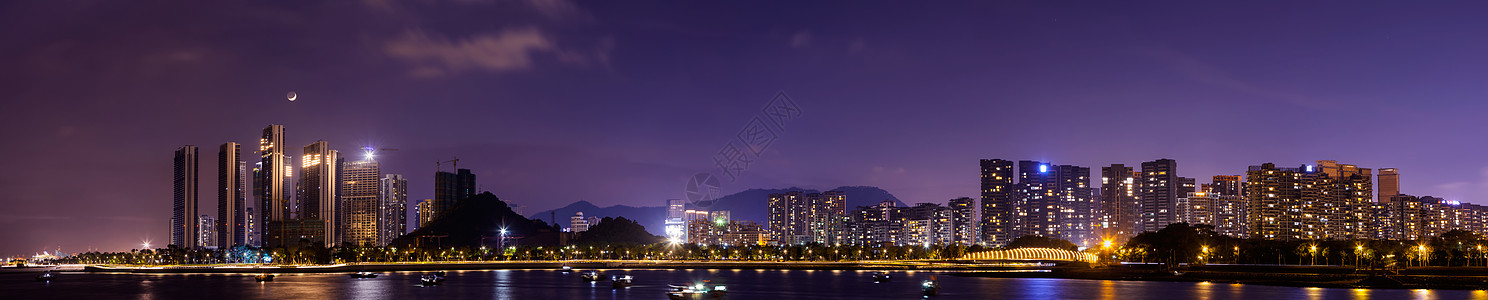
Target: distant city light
1043,168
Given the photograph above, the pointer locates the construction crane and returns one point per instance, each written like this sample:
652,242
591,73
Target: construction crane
454,163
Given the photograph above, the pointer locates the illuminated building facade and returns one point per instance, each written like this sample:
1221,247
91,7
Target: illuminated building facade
998,206
1119,203
393,199
963,220
271,183
675,223
360,209
578,223
318,190
183,210
1054,201
425,212
1161,188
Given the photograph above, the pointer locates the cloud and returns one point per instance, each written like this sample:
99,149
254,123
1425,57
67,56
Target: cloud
801,39
1466,191
1199,71
509,50
556,9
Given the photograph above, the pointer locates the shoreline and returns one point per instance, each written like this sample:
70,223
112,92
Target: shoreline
555,265
1288,276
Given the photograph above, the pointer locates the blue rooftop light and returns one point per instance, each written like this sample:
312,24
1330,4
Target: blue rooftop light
1309,168
1043,168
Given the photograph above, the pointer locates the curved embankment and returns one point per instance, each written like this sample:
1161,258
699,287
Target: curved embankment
554,265
1467,278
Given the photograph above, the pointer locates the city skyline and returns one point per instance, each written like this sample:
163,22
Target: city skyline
896,104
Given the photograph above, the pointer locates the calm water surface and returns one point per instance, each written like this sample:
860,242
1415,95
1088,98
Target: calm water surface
651,284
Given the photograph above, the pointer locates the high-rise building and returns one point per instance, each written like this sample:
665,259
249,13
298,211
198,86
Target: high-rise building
270,182
393,198
1119,196
880,224
1196,208
449,189
1054,201
183,210
318,190
206,235
675,224
1389,184
1160,186
998,206
796,218
926,224
826,213
232,196
1276,204
1345,193
1225,185
425,212
963,219
1229,215
788,214
361,182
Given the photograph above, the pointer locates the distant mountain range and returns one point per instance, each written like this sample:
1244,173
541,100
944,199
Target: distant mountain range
746,205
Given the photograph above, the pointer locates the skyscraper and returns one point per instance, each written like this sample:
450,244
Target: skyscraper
824,223
450,188
963,220
1389,184
318,192
1119,203
1053,201
675,226
232,196
270,177
787,217
360,208
1275,204
1160,187
183,210
394,201
998,206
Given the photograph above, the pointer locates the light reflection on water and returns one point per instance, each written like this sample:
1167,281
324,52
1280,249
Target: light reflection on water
652,284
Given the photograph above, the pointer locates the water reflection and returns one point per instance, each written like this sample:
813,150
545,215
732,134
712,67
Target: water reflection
652,284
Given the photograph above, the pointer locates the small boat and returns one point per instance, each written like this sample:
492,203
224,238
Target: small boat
363,274
431,280
565,269
46,276
263,277
930,287
592,276
621,281
881,277
697,291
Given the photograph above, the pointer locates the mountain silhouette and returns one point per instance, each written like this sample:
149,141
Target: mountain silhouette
748,205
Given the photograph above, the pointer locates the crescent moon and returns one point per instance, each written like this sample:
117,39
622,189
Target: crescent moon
292,96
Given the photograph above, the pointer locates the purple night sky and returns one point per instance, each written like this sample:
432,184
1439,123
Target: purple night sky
552,101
